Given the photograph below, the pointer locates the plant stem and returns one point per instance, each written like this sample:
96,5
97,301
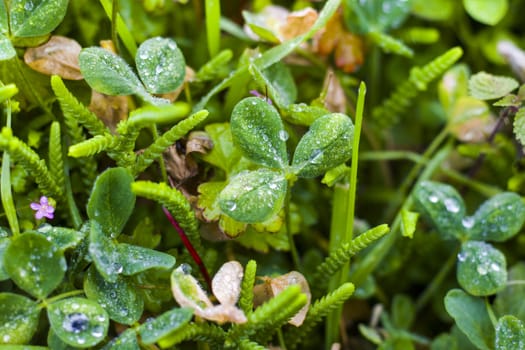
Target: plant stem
51,300
436,281
367,265
114,14
5,182
213,28
291,242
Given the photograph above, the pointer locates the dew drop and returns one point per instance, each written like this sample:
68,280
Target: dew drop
482,270
433,198
97,332
118,267
28,6
6,338
75,323
468,222
451,205
22,273
185,268
462,256
230,205
143,55
283,135
316,156
495,267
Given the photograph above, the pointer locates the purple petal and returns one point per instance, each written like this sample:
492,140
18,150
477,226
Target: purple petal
43,200
39,215
35,206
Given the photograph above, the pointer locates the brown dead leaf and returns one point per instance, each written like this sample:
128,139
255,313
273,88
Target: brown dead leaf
110,109
348,48
335,98
59,55
188,77
179,161
297,23
273,286
226,284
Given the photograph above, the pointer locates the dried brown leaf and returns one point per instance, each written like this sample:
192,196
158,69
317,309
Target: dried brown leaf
280,283
226,284
110,109
297,23
59,55
335,98
187,291
349,53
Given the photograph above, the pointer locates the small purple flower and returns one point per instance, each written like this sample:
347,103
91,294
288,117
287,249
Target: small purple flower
43,209
258,94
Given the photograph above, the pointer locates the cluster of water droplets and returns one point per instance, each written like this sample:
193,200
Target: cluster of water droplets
80,327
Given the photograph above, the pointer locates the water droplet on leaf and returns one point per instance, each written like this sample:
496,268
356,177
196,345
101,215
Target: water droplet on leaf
283,135
482,270
433,199
75,323
451,205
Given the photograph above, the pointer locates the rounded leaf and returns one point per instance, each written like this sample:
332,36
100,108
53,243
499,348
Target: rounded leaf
118,298
160,65
61,237
327,144
509,300
29,18
226,284
7,50
486,86
486,12
499,218
103,252
253,196
155,329
4,243
443,206
18,318
382,15
34,264
471,317
108,73
258,130
510,333
127,340
482,269
135,259
112,200
78,322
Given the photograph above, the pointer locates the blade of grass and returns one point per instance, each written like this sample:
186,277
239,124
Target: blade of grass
213,28
122,29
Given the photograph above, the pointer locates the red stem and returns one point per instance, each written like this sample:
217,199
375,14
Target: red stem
189,247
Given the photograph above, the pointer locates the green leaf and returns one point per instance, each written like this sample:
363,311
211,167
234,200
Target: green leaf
444,342
108,73
7,51
224,154
403,311
453,85
509,300
160,65
259,26
258,130
62,238
519,125
471,317
278,80
408,223
499,218
253,196
486,12
382,15
34,264
112,200
127,340
442,205
4,243
55,343
135,259
303,114
18,318
172,320
486,86
78,322
482,269
119,298
433,10
29,18
510,334
327,144
4,20
103,252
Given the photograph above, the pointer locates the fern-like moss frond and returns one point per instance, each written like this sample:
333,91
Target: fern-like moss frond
397,104
75,111
154,151
246,344
93,146
321,308
390,44
246,297
173,200
21,153
206,332
56,160
342,255
269,315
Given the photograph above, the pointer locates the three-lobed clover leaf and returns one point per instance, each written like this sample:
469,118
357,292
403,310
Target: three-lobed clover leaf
257,129
18,318
160,64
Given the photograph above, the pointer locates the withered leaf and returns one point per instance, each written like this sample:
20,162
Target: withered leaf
110,109
226,284
297,23
59,55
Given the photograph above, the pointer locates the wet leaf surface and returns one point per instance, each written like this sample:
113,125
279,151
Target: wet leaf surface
18,318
